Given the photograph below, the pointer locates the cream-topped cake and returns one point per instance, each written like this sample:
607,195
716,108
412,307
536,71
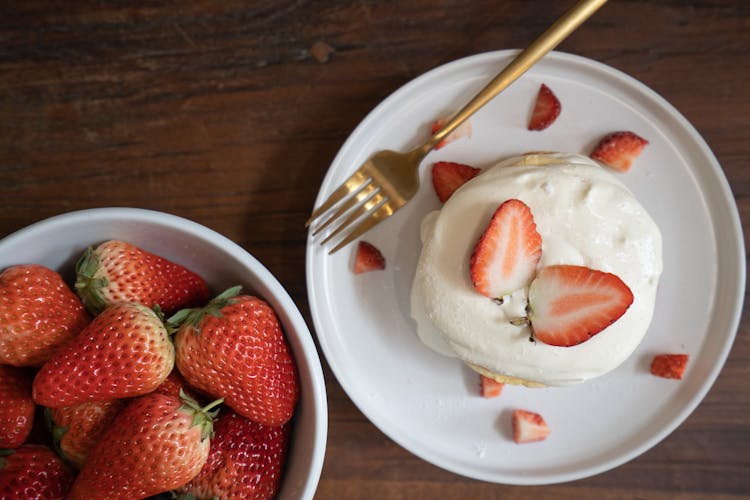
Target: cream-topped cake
586,218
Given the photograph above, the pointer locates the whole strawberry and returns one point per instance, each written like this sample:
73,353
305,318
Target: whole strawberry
155,444
38,313
117,272
234,348
33,471
76,429
125,352
246,460
16,406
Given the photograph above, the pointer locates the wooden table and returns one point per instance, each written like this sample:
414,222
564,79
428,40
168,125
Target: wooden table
230,112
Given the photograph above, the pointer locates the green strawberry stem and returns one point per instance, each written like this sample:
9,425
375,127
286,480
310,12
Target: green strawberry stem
57,432
193,317
203,417
87,284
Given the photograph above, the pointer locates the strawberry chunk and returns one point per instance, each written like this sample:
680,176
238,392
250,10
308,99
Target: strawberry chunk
448,176
618,150
491,388
506,256
529,427
570,304
368,258
546,109
669,365
463,130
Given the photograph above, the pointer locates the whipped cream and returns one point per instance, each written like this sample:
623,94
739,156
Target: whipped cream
585,217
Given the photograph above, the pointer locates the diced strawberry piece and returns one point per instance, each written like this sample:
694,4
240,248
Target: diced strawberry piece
529,427
505,258
618,150
491,388
368,258
669,365
463,130
570,304
546,109
448,176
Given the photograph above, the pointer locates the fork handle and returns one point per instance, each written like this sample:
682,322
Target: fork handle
547,41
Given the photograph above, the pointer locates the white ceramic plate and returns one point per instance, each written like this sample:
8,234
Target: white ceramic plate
429,404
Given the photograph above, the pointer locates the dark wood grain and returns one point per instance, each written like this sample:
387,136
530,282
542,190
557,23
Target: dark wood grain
217,111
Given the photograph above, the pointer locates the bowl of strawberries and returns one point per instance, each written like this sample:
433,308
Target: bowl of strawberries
144,355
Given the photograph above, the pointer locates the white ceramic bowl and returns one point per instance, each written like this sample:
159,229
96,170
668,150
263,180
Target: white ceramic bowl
58,242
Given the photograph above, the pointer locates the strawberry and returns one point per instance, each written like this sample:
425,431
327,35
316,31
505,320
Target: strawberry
529,427
234,348
669,365
38,313
506,256
618,150
490,387
246,460
117,272
33,471
546,109
463,130
570,304
448,176
174,385
125,352
368,258
77,429
155,444
16,406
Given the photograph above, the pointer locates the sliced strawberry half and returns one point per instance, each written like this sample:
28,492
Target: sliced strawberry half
448,176
669,365
570,304
546,109
463,130
506,256
529,427
618,150
368,258
490,387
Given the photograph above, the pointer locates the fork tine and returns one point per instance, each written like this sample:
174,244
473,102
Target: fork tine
363,209
361,196
352,184
381,213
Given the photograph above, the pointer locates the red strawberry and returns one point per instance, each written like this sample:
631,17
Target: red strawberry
570,304
125,352
77,429
669,365
117,272
174,385
33,471
506,256
368,258
16,406
246,460
546,109
529,427
234,348
38,313
491,388
463,130
619,149
448,176
155,444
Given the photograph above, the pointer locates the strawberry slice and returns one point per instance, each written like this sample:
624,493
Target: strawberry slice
463,130
529,427
618,150
448,176
570,304
669,365
368,258
546,109
505,258
491,388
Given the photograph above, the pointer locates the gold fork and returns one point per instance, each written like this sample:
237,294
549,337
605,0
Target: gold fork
388,179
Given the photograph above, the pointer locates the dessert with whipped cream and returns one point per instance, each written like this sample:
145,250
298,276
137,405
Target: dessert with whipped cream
580,293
